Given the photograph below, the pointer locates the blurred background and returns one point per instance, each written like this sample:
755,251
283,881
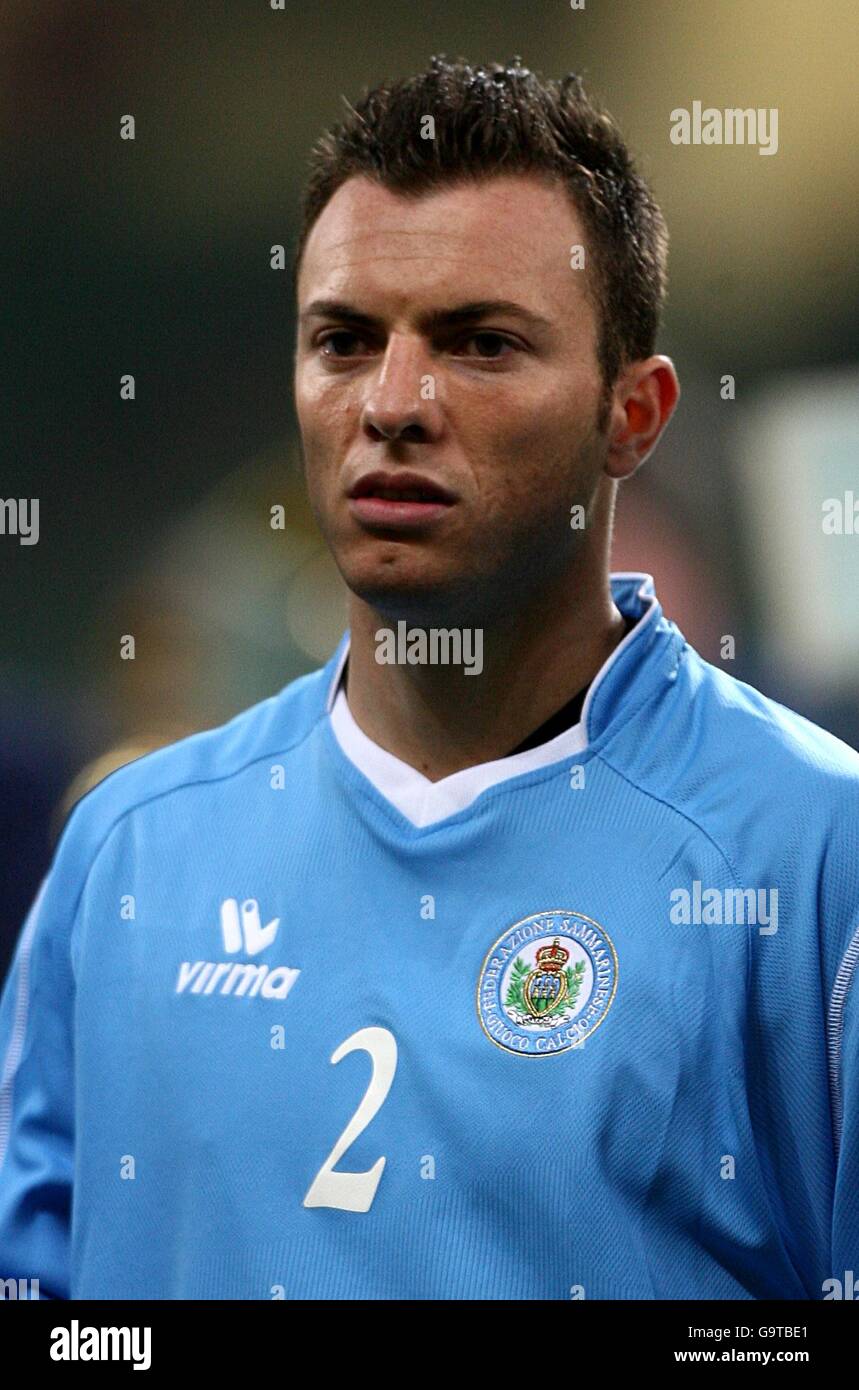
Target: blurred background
152,257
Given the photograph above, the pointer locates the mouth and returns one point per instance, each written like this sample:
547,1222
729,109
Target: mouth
399,500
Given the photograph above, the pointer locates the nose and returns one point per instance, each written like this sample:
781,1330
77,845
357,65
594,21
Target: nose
401,403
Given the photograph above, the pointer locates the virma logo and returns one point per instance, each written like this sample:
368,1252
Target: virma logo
240,927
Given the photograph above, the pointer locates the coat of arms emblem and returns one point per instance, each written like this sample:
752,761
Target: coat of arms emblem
547,983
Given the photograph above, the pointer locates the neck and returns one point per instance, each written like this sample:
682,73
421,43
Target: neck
440,720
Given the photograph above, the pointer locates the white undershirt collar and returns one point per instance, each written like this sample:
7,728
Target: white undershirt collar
422,801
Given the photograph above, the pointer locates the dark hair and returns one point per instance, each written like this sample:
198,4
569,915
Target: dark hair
505,120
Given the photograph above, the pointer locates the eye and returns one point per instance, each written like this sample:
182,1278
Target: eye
490,345
338,342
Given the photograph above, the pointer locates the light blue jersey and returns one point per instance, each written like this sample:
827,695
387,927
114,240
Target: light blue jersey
287,1019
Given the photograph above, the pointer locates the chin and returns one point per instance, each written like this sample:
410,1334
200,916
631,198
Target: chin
401,585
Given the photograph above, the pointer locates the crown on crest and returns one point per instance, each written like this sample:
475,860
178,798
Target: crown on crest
552,957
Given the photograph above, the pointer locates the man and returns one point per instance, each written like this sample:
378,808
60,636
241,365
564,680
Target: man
510,955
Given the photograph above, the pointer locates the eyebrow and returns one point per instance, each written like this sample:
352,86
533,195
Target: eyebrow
433,321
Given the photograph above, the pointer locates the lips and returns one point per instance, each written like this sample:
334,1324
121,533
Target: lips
398,502
401,487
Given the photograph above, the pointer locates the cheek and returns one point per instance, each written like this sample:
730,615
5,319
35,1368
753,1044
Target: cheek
323,420
531,459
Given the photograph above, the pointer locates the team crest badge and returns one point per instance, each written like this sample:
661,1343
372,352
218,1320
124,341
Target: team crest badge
547,983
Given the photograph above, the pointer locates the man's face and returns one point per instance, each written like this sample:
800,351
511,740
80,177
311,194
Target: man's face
448,389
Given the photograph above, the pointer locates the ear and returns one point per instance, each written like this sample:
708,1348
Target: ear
643,401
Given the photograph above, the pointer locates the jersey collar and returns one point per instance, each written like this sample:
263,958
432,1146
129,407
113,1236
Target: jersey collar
647,654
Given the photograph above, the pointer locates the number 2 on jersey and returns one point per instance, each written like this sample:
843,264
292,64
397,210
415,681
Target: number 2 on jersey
355,1191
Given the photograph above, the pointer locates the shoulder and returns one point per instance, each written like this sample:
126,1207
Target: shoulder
752,734
771,790
274,728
